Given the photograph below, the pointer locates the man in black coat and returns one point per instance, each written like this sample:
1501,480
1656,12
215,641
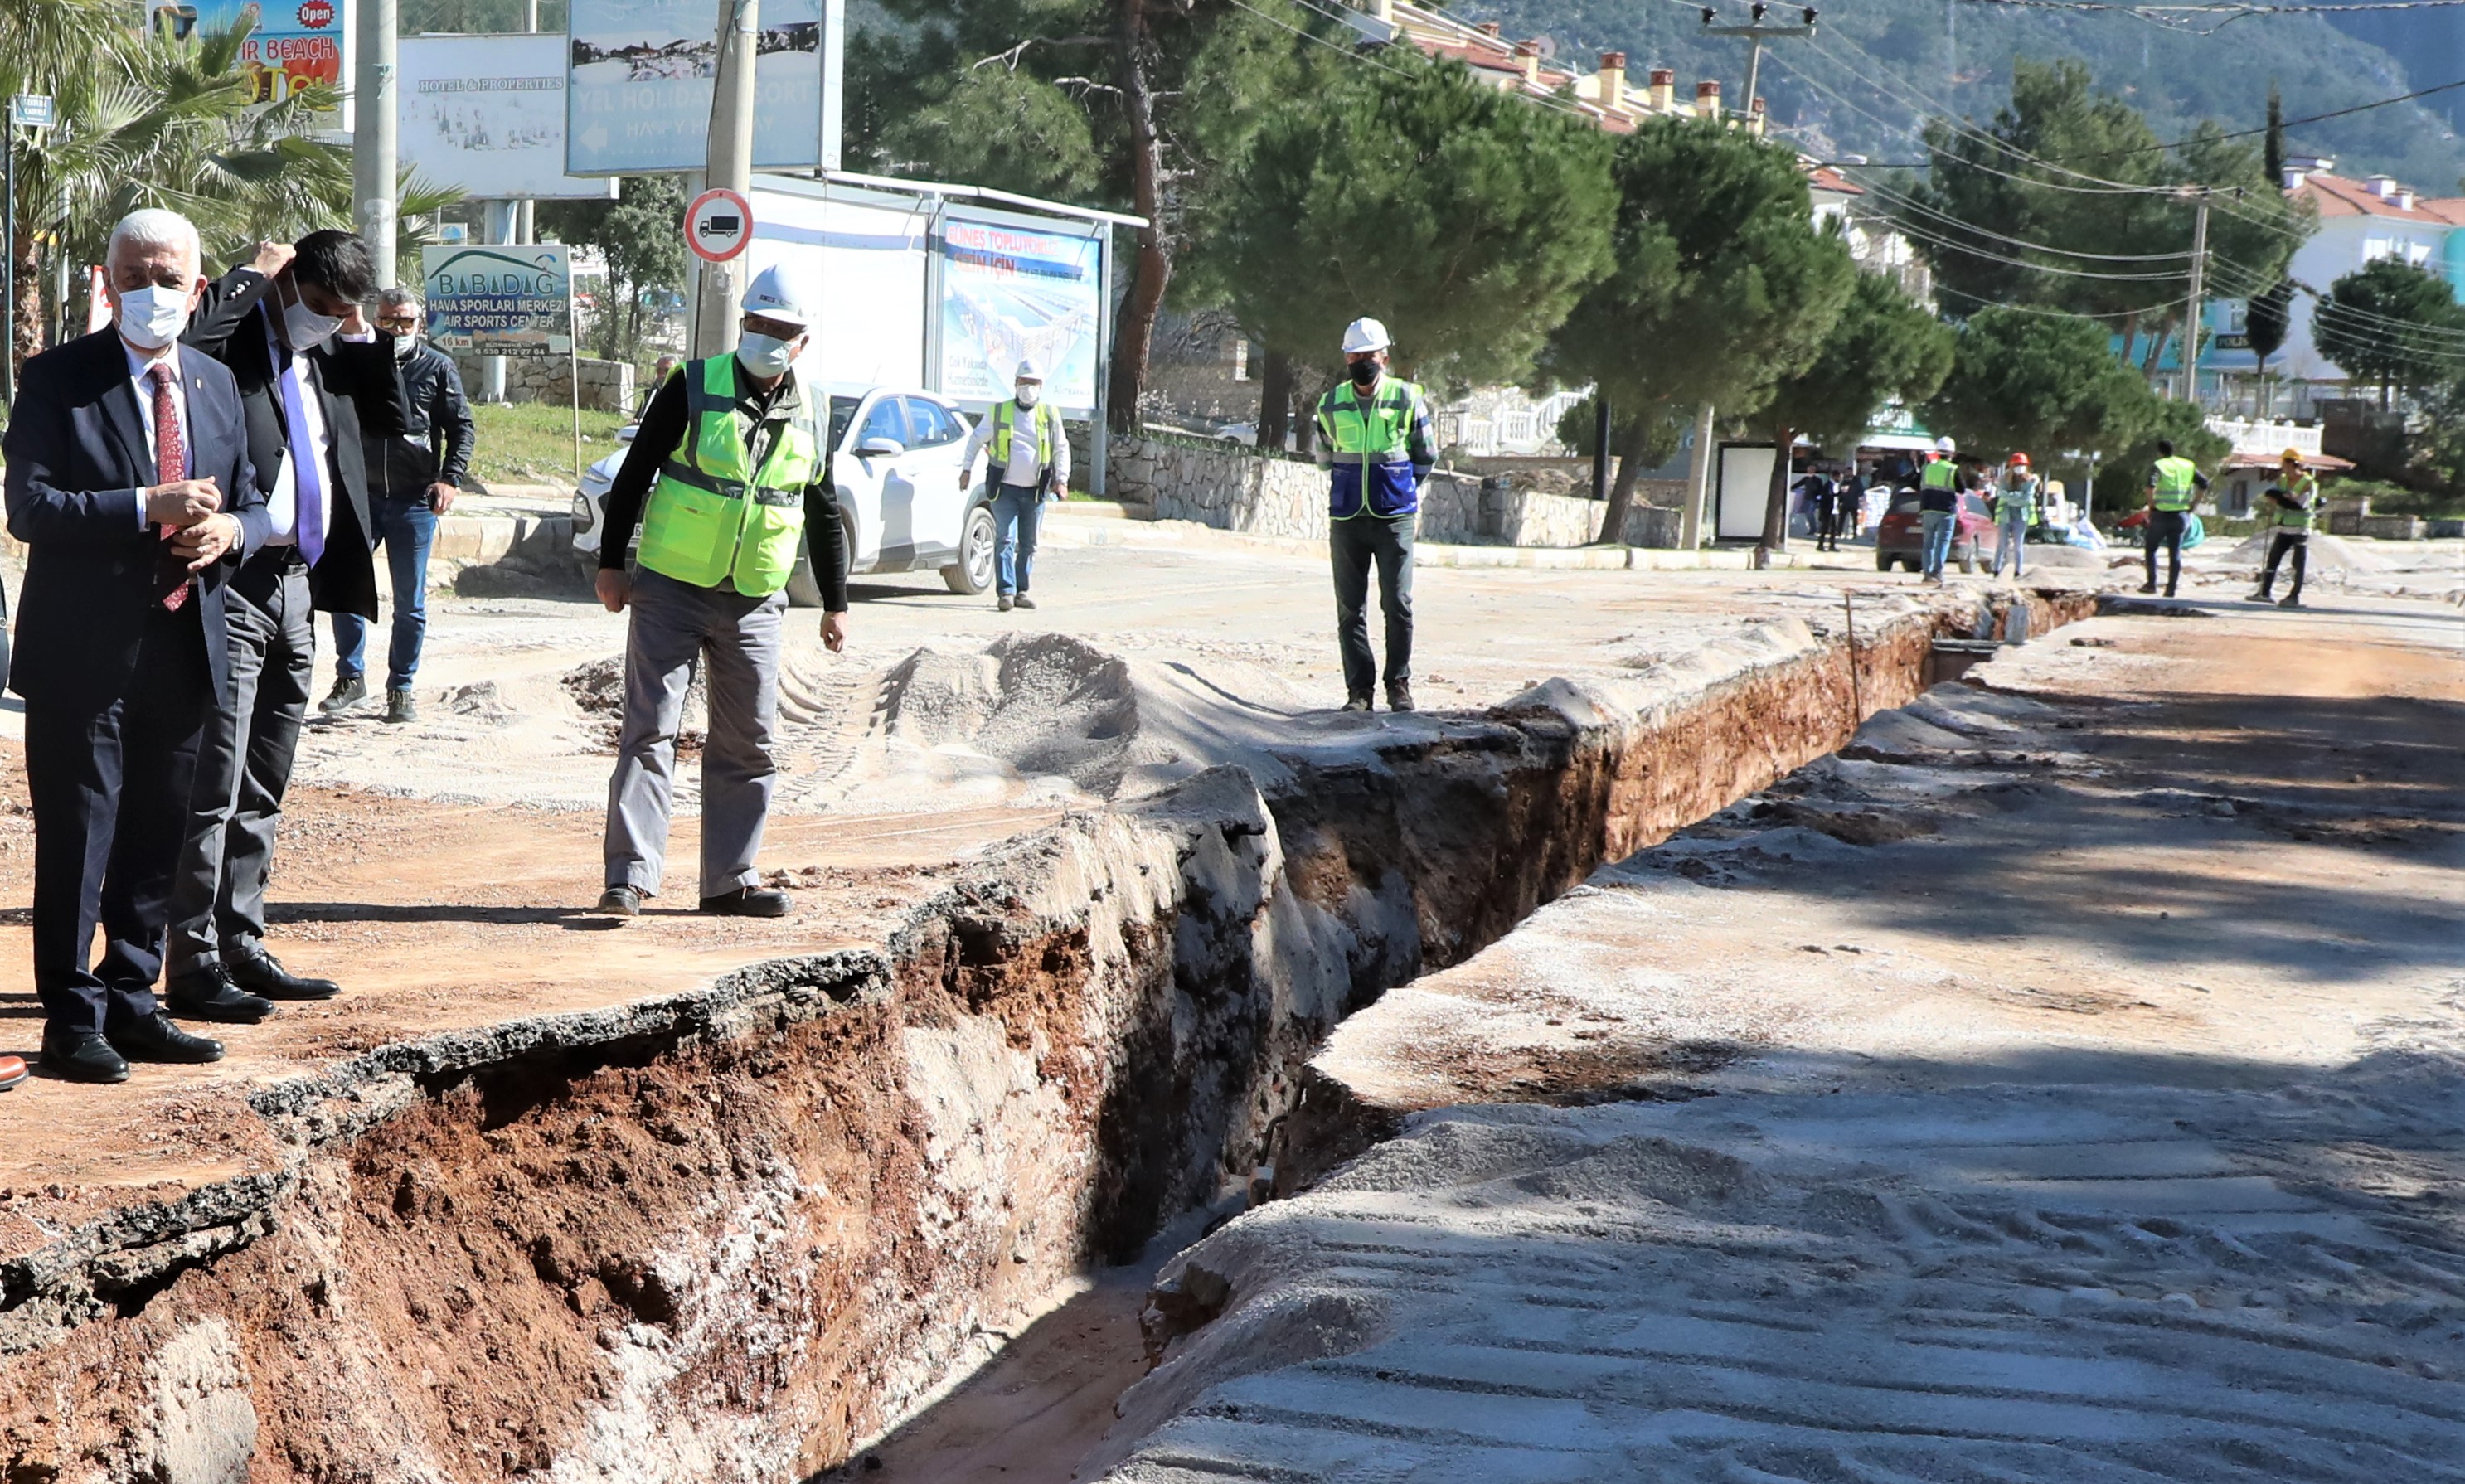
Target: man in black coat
314,382
130,484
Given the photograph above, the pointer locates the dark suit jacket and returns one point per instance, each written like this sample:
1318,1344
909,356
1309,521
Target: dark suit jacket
361,396
79,466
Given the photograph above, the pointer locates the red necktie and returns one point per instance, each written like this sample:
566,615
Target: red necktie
171,463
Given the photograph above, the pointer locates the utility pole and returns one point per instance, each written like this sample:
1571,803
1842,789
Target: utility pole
2191,318
1698,482
373,134
30,111
1600,451
525,224
731,165
1757,33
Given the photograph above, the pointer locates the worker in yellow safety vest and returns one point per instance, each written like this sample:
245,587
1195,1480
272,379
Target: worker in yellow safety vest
1031,464
1374,441
2288,507
728,479
2174,486
1938,510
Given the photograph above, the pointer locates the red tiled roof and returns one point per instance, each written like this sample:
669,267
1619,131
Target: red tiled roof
1824,177
2337,196
2447,209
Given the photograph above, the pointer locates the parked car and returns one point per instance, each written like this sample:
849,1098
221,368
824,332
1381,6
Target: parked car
1901,537
895,466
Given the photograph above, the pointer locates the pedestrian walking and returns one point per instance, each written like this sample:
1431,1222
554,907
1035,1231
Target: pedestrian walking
1849,509
2289,507
1374,441
413,479
728,479
316,382
2174,486
1031,464
2016,511
1814,490
1938,509
130,483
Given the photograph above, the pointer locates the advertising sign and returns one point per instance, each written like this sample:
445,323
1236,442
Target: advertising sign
1013,289
291,44
500,301
641,78
867,252
486,114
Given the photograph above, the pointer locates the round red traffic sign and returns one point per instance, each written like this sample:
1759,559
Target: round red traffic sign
719,224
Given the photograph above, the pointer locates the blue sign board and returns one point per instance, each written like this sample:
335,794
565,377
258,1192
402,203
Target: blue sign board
500,301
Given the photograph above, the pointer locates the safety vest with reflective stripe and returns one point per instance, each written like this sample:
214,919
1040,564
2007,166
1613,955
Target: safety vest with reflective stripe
1940,474
1004,418
1371,449
2016,497
2177,482
2304,489
710,520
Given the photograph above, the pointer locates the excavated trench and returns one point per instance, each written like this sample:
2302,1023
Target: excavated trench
736,1233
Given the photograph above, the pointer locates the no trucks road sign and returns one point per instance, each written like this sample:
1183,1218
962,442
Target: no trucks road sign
719,224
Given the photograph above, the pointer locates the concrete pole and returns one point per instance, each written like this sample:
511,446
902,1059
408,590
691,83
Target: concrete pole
525,228
1699,482
2191,318
499,228
732,165
373,135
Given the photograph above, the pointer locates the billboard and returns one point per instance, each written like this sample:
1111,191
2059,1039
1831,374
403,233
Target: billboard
291,44
1015,288
500,301
486,114
641,74
868,251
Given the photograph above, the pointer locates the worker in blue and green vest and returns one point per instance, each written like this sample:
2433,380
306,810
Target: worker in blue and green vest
1374,437
2174,486
1938,510
2287,507
729,480
1031,464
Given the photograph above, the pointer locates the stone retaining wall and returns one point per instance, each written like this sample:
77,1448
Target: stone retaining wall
607,386
1235,488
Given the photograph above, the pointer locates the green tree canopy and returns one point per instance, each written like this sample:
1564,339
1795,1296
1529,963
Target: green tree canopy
1883,347
1721,285
1467,221
2392,324
641,236
2040,384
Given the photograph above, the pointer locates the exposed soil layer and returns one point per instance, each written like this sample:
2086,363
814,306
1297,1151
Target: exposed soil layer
736,1230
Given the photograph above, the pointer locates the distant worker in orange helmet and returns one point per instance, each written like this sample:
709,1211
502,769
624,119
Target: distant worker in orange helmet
2015,510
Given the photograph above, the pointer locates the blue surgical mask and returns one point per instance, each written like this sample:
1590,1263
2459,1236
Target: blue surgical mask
765,355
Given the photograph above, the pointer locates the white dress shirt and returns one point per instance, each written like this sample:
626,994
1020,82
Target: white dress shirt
283,497
141,374
1025,469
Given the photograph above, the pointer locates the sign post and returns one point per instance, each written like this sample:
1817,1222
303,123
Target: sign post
506,300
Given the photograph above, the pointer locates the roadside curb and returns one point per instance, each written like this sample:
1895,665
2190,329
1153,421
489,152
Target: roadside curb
1065,526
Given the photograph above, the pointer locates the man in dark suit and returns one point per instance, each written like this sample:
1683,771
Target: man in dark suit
314,379
130,483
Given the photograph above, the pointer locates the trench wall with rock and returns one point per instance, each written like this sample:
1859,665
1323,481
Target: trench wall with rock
734,1233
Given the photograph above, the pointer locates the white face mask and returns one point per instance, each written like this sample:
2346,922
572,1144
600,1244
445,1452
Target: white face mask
404,345
1028,393
306,328
152,316
767,355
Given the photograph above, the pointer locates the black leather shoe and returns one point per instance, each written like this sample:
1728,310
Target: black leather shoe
746,901
261,973
206,992
83,1056
155,1038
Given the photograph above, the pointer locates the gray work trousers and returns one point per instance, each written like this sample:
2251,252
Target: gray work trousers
1354,545
244,764
676,626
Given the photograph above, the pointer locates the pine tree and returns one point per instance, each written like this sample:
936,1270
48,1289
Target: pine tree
2264,320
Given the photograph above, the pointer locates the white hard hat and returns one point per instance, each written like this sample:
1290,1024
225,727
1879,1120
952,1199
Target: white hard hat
1027,371
1945,446
1365,334
785,291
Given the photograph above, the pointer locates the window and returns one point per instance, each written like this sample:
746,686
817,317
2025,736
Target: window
842,413
930,424
2374,249
884,422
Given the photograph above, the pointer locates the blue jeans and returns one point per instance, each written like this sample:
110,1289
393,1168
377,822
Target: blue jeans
405,528
1939,527
1016,510
2013,527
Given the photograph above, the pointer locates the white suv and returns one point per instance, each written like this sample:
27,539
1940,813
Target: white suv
894,467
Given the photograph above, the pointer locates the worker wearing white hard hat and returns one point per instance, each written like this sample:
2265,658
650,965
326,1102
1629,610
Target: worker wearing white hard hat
728,479
1031,464
1374,441
1938,510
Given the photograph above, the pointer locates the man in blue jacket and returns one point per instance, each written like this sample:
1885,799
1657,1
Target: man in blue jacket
1374,436
130,483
